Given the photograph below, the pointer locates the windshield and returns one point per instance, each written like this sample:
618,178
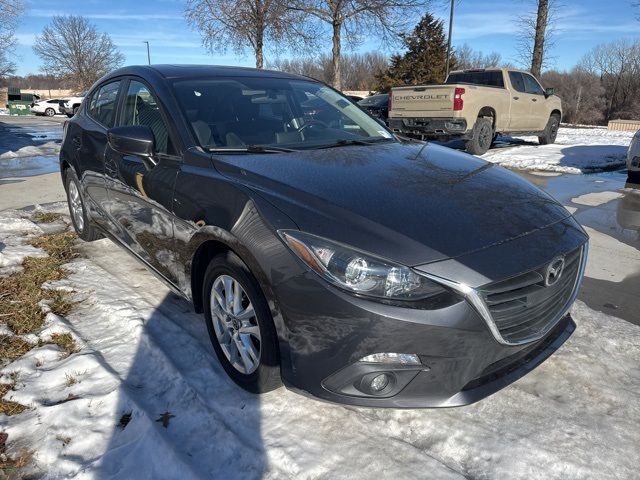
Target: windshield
242,113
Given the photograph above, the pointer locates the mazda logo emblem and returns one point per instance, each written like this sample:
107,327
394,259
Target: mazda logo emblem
554,271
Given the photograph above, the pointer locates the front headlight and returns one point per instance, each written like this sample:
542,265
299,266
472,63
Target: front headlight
359,272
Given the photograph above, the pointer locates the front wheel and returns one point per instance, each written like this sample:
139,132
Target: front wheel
550,131
481,137
240,325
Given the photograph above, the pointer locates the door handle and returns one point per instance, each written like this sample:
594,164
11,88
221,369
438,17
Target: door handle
534,99
516,98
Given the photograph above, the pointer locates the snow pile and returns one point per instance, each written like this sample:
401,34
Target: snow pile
49,148
145,398
13,231
577,150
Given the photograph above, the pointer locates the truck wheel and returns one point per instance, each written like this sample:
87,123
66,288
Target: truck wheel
550,131
481,137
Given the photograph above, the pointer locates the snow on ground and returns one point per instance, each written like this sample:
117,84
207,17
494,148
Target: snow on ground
145,354
576,150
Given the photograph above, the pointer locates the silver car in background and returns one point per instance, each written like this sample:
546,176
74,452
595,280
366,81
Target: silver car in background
633,157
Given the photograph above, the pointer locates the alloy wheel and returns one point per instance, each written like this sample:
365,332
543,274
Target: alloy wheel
485,137
75,204
235,324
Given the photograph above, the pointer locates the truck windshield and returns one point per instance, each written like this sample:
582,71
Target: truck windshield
257,114
487,78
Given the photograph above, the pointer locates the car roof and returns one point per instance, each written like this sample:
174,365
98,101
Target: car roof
199,71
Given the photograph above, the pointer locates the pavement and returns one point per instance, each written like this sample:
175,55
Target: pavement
30,180
606,204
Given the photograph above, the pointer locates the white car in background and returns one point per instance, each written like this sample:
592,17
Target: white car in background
46,107
633,157
71,105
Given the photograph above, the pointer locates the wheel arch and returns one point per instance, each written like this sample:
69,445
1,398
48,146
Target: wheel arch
490,112
557,112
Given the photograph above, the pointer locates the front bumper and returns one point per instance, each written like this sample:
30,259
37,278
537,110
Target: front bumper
461,361
429,127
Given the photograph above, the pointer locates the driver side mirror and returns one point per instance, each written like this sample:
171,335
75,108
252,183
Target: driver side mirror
132,140
549,91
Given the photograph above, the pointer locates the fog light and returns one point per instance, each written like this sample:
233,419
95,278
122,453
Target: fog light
399,358
379,382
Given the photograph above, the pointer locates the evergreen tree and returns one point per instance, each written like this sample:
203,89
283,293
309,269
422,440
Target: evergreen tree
425,60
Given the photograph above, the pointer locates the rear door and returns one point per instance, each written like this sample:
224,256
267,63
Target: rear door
141,191
521,104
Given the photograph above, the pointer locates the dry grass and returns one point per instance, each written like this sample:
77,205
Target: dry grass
10,466
22,291
66,342
46,217
7,407
12,347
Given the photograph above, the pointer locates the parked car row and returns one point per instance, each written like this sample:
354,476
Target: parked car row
57,106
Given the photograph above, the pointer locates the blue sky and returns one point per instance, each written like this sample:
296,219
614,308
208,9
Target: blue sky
487,25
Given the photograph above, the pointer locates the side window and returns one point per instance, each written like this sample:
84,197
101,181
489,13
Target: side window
103,104
517,82
532,85
141,108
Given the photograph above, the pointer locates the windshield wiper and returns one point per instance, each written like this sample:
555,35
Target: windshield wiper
251,149
343,142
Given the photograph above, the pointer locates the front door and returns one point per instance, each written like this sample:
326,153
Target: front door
521,105
140,191
539,109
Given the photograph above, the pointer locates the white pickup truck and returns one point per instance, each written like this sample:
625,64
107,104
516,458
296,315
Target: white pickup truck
71,105
477,105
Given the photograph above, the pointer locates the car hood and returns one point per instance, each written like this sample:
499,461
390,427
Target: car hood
407,203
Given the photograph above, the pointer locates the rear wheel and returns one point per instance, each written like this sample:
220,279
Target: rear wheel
550,131
49,112
75,110
240,325
81,223
481,137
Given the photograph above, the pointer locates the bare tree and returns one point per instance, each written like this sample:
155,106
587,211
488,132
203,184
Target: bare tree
467,57
10,11
71,47
582,94
618,66
355,18
242,24
535,39
358,71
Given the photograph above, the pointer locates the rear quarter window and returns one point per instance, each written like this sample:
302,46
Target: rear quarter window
488,79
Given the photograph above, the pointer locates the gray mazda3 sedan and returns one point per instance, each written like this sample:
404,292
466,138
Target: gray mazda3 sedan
324,252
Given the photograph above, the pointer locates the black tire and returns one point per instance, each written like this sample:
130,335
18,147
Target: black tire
481,137
550,131
267,375
85,229
49,112
69,115
633,177
75,110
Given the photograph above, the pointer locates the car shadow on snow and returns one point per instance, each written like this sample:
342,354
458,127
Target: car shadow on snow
594,158
180,416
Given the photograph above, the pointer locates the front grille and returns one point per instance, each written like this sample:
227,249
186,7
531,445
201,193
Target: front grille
523,308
